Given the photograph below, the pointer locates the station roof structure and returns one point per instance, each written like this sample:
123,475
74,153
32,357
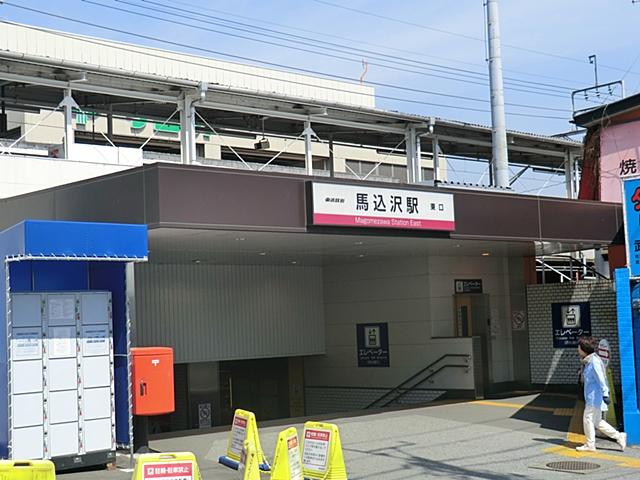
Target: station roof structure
199,212
626,109
31,82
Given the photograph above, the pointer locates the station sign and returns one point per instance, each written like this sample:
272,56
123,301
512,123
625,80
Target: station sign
468,286
373,207
631,205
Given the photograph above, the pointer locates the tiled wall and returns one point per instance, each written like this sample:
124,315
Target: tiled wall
560,365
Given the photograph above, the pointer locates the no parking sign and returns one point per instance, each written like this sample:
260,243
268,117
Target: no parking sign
604,351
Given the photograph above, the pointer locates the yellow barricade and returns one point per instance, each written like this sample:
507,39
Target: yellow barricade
286,461
167,466
27,470
322,456
249,465
244,427
611,417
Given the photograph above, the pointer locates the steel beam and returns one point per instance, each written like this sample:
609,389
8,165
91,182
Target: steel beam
514,148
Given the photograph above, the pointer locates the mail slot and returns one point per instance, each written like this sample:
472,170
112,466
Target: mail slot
152,380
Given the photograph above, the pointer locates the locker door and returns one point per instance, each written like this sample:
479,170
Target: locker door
97,390
62,375
26,361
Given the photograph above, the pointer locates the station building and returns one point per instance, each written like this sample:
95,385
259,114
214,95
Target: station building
307,287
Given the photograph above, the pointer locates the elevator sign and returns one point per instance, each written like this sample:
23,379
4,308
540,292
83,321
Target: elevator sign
372,207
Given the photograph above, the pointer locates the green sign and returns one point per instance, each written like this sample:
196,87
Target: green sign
140,123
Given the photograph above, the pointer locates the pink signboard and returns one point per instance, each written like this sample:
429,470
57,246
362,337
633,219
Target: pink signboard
619,155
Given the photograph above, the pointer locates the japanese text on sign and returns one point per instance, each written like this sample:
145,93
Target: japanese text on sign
349,205
238,434
373,344
315,450
169,471
570,321
295,471
628,166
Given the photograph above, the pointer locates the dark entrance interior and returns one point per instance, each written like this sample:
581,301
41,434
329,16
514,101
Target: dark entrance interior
261,386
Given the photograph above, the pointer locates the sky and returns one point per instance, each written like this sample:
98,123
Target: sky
408,45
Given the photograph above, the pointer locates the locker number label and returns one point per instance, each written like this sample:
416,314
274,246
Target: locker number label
168,471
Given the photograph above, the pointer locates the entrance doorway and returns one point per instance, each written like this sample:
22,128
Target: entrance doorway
473,319
261,386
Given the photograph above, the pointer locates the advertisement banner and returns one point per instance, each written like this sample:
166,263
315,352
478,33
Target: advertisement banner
631,205
372,207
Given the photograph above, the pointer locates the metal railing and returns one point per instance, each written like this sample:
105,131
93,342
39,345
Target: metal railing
570,270
417,379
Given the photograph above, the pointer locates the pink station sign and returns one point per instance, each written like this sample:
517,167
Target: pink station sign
372,207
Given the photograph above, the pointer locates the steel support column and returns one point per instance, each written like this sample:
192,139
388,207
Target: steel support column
308,154
435,149
412,160
418,162
110,124
569,175
68,104
187,129
500,159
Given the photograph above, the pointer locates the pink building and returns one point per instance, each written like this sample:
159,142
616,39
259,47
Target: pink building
612,148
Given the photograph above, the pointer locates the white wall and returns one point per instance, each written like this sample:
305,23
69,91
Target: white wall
132,58
415,297
228,312
496,274
396,292
20,174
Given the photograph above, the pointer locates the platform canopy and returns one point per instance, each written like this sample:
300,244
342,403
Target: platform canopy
31,83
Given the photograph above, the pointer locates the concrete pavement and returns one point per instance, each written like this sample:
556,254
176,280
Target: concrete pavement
512,438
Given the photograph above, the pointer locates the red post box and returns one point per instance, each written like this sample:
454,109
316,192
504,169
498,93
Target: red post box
152,380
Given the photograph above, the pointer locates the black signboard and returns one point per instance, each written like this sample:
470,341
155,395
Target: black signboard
468,286
373,344
570,321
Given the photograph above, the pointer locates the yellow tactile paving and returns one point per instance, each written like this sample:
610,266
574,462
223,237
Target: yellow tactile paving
574,438
564,412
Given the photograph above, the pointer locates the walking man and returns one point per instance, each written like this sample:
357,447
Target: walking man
596,397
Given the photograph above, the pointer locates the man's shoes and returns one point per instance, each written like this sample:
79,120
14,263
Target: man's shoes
587,448
622,441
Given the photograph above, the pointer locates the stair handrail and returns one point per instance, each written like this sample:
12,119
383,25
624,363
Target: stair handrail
402,384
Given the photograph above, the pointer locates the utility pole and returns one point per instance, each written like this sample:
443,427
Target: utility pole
500,157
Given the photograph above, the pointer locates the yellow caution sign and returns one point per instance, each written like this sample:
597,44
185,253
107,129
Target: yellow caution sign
244,427
287,464
249,465
611,412
322,456
167,466
27,470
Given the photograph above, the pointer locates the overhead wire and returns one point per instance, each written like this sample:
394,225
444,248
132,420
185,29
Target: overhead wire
429,66
271,64
462,35
539,91
360,41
